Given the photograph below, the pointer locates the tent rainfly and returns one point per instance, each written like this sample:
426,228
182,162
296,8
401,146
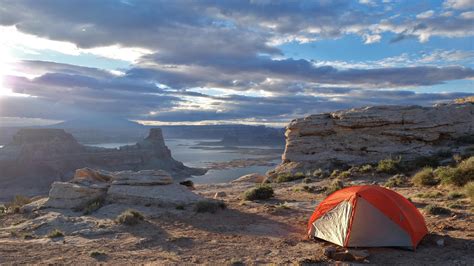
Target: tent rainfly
367,216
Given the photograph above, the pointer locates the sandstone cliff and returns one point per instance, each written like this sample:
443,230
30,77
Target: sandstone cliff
367,135
37,157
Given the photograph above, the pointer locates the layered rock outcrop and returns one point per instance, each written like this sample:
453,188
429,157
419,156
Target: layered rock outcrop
370,134
146,187
37,157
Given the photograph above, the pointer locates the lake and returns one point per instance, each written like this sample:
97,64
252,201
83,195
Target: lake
194,155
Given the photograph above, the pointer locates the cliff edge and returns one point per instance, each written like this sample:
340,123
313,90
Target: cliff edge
370,134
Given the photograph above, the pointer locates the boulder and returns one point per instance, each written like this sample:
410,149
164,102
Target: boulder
159,195
90,175
66,195
220,194
142,178
370,134
250,178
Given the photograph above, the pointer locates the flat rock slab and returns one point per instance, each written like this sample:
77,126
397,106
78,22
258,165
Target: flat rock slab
162,195
69,195
142,178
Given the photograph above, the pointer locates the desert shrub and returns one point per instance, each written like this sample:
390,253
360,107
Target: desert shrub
366,168
288,177
211,206
319,173
97,253
307,180
187,183
261,192
344,174
17,202
236,262
437,210
469,190
335,173
130,217
389,166
310,189
93,206
336,185
430,195
455,195
55,233
456,205
425,177
458,175
396,181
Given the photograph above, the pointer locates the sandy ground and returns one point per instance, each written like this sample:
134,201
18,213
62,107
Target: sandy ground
271,231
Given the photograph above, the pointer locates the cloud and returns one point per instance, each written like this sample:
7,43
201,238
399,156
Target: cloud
179,49
426,14
459,4
284,108
261,72
84,90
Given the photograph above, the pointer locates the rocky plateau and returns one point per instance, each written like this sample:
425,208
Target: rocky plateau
370,134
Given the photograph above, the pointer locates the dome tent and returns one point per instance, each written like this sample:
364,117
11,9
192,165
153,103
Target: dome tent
367,216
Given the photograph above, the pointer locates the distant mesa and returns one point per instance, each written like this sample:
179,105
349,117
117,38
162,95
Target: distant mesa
37,157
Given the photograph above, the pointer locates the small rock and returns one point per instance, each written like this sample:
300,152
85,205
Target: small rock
329,251
87,174
440,242
342,256
220,194
359,254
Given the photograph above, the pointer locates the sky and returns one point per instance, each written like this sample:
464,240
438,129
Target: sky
221,62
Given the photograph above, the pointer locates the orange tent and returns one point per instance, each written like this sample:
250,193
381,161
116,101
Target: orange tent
367,216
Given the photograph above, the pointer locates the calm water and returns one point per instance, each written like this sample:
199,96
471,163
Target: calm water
182,150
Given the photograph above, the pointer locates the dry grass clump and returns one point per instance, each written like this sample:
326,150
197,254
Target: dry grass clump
55,233
93,206
336,185
425,177
15,205
261,192
130,217
97,253
455,195
389,165
458,175
211,206
399,180
430,195
319,173
366,168
437,210
288,177
469,190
